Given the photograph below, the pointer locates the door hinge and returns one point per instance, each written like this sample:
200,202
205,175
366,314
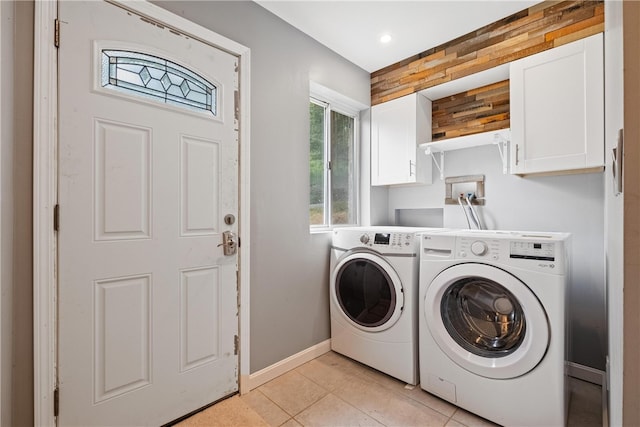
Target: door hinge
56,36
236,344
56,402
56,218
236,105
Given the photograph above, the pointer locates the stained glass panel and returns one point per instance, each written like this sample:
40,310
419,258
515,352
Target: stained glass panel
156,78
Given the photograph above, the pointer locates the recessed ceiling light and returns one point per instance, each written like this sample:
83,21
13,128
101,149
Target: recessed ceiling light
386,38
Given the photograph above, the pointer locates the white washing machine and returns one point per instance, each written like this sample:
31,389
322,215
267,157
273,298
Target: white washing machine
492,323
374,298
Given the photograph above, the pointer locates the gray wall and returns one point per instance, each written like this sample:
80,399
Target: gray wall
16,146
289,266
569,203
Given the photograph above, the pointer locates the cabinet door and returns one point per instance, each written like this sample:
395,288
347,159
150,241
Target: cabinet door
395,126
557,109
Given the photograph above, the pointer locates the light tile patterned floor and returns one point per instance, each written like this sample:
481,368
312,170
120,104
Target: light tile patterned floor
333,391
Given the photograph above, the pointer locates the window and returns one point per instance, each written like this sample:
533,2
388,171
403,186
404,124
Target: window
332,165
158,79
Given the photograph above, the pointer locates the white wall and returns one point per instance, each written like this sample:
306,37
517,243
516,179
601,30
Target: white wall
570,203
289,266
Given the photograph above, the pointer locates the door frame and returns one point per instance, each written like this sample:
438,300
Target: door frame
45,141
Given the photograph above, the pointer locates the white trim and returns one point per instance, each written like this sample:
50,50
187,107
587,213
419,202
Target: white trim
331,100
265,375
338,101
586,373
45,113
44,192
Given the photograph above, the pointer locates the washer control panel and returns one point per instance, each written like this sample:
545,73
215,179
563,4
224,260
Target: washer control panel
539,251
543,252
469,247
479,248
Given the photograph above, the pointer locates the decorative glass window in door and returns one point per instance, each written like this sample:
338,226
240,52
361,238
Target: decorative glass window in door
159,79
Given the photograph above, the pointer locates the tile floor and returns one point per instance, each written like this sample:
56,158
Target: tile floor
333,390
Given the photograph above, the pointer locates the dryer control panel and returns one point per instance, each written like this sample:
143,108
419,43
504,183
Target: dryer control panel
391,240
388,240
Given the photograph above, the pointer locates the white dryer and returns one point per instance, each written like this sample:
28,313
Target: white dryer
492,323
373,295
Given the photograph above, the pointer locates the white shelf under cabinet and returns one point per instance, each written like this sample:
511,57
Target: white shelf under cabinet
499,137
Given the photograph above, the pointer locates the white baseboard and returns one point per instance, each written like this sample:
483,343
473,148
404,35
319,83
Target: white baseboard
255,380
270,372
585,373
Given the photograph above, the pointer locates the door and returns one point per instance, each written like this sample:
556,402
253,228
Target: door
486,320
148,166
368,291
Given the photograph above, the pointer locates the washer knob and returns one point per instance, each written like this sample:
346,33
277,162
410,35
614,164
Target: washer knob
364,238
479,248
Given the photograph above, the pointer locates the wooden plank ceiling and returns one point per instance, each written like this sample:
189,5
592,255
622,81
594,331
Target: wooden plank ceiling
530,31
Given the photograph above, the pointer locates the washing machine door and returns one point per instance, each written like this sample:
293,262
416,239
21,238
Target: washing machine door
486,320
367,291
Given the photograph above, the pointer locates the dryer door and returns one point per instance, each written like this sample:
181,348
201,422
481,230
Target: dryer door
367,291
486,320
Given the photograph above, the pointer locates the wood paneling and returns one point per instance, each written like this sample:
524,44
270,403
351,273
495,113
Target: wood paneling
474,111
530,31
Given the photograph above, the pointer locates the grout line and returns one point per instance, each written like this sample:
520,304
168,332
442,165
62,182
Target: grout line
330,392
360,410
271,400
327,392
451,418
369,375
410,397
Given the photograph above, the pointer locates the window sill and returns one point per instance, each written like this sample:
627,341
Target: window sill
320,230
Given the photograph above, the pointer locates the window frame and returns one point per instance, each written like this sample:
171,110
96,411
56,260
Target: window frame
333,102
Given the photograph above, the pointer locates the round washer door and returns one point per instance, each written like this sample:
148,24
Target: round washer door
367,291
486,320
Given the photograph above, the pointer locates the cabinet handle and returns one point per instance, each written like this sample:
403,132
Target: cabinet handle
517,153
411,164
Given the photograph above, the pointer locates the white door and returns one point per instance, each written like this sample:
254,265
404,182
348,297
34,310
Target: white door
148,166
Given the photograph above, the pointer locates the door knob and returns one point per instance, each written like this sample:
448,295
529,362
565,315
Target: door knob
229,243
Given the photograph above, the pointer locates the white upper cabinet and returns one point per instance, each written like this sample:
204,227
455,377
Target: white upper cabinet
397,127
557,109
